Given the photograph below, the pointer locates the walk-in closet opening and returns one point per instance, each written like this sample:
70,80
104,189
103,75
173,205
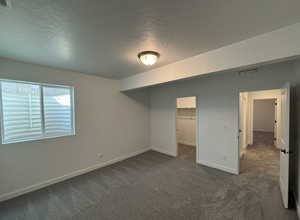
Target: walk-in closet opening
186,128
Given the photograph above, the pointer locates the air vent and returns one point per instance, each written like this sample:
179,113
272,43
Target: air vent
5,3
249,70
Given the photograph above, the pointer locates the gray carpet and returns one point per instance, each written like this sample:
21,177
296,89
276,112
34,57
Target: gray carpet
261,138
156,186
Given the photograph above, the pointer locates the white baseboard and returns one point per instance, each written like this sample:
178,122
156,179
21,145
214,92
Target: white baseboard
163,151
37,186
219,167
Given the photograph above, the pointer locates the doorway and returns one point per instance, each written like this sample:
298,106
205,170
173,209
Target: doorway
186,128
263,136
259,119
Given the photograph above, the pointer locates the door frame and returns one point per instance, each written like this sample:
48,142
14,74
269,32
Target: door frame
251,118
197,126
245,122
286,144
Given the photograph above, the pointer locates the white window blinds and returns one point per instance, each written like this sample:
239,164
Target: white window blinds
35,111
57,108
21,108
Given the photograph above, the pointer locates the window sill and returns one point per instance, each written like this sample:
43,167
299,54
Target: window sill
40,138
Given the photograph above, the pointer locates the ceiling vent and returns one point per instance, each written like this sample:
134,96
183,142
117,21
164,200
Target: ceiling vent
5,3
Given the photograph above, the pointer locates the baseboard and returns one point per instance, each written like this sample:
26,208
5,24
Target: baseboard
37,186
163,151
219,167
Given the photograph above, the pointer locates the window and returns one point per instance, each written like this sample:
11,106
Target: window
32,111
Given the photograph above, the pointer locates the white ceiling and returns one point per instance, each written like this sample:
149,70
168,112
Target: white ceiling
103,37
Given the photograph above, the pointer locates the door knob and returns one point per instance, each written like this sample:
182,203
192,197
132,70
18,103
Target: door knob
283,151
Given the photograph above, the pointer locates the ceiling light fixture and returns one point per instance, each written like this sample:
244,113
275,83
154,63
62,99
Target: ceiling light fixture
148,57
5,3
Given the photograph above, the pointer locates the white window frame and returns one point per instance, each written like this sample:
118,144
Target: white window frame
44,135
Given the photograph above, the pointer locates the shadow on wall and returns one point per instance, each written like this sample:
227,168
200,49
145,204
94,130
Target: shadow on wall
140,96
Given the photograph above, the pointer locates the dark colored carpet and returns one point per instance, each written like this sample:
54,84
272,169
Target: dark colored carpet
155,186
264,138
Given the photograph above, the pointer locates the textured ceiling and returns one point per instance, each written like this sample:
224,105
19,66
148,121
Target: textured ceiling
103,37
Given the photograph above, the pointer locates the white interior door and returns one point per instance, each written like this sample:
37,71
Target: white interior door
242,123
285,144
275,124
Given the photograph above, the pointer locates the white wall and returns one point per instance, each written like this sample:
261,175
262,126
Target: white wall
264,115
109,122
217,106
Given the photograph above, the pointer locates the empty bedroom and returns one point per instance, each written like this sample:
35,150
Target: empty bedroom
149,110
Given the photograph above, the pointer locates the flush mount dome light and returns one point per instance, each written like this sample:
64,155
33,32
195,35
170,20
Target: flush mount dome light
148,57
5,3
